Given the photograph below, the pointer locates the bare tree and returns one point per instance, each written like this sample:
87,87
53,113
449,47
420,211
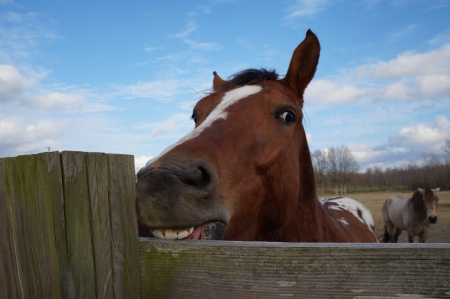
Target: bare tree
333,167
347,167
446,147
320,168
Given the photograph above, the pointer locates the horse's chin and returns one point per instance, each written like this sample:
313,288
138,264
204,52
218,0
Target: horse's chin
212,230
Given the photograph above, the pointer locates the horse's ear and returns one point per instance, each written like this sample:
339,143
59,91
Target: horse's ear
303,64
217,81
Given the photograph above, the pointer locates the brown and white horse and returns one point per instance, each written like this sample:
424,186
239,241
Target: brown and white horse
413,215
245,171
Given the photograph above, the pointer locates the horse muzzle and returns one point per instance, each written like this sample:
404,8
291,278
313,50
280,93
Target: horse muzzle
432,219
177,199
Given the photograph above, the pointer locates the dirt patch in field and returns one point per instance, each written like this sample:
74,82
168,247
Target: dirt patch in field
438,233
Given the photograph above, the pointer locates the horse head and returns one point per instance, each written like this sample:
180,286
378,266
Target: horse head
430,199
240,174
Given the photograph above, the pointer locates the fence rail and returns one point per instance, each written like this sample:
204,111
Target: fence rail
216,269
68,229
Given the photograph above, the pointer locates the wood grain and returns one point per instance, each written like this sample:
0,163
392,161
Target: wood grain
217,269
68,226
127,282
34,254
98,184
78,225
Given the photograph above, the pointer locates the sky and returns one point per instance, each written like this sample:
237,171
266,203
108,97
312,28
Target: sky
123,76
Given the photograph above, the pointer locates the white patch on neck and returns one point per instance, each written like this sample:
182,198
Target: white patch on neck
219,112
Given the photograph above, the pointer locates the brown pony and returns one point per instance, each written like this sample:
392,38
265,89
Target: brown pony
245,171
413,215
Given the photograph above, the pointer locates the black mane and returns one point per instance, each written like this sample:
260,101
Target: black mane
250,76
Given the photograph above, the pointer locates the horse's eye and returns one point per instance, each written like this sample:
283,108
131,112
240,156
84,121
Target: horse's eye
288,117
194,117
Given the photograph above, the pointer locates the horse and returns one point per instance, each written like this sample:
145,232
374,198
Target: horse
413,215
245,172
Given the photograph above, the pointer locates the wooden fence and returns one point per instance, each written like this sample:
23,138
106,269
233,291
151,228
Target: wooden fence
68,226
68,230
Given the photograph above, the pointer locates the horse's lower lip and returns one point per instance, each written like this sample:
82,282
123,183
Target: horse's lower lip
212,230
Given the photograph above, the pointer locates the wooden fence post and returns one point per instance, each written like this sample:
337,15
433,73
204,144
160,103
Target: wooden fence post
68,226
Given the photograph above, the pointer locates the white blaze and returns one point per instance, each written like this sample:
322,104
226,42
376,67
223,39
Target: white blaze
219,112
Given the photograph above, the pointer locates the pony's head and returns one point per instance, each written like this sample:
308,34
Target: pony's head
430,202
242,173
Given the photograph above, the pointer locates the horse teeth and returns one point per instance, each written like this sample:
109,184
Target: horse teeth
157,233
185,233
170,234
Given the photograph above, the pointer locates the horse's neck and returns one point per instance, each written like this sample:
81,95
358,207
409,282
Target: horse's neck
417,208
312,222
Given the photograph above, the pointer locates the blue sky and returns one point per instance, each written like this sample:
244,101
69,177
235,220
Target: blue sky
123,76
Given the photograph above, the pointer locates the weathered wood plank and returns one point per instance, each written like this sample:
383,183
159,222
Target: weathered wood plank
9,276
210,269
127,283
68,226
98,184
34,254
78,225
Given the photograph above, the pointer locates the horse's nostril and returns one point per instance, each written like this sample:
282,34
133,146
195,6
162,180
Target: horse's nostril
197,176
432,219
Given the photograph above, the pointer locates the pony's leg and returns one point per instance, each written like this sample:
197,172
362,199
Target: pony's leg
410,236
423,235
396,234
390,228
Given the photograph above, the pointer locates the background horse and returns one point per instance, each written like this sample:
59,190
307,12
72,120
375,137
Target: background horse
413,215
245,171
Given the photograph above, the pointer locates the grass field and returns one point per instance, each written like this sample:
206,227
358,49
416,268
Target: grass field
438,233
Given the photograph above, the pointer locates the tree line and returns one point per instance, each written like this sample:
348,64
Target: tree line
336,170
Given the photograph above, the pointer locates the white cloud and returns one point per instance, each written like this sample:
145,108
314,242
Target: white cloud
55,101
158,90
179,122
202,46
140,161
423,87
15,87
302,8
410,76
430,136
22,34
440,39
408,144
308,137
12,83
18,136
190,27
409,64
329,92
